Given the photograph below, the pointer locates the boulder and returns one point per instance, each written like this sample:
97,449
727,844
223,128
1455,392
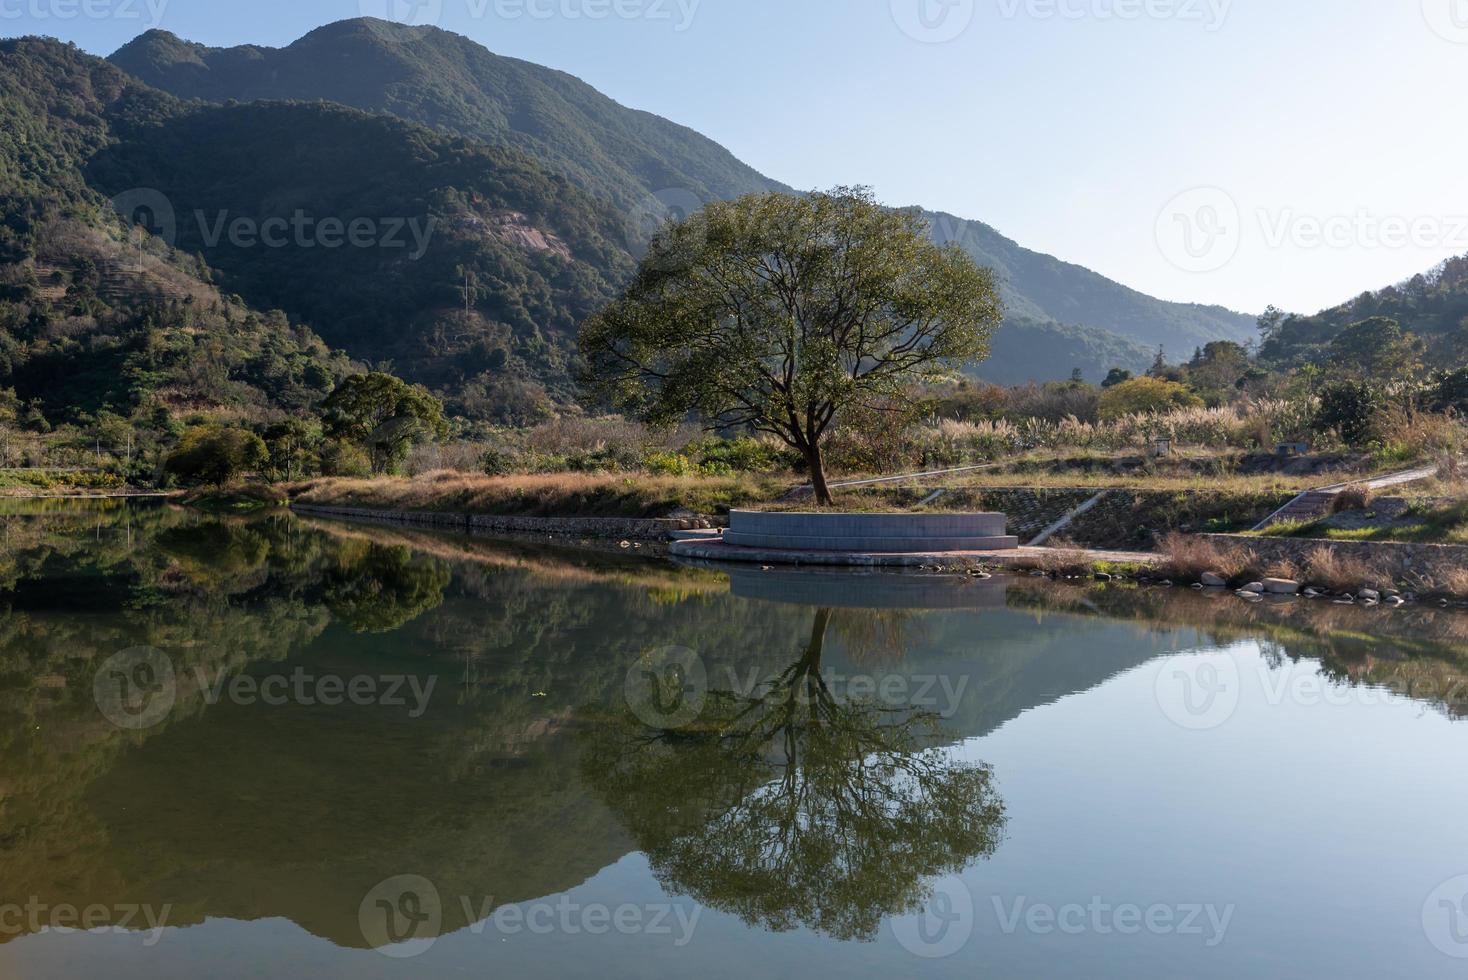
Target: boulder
1281,586
1253,587
1212,580
1370,594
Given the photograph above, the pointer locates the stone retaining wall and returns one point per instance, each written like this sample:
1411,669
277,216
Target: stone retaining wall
614,528
1407,562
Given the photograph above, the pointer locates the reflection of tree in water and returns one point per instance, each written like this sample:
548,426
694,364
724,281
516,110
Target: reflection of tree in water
789,806
373,589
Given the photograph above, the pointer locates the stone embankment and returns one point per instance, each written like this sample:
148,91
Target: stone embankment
609,528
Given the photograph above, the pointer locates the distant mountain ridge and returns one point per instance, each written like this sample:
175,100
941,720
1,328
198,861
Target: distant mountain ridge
641,162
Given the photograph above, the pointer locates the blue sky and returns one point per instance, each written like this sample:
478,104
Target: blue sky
1241,152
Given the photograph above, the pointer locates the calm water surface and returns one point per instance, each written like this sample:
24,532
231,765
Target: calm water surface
271,747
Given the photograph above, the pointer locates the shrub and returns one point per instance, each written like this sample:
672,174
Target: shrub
1145,396
1352,409
342,458
216,455
1188,557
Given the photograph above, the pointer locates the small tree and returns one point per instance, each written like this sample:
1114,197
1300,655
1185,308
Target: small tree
1350,408
783,313
1145,396
385,416
215,455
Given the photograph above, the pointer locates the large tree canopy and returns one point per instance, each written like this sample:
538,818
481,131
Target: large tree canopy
779,313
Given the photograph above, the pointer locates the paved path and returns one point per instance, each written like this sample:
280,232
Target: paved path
1312,505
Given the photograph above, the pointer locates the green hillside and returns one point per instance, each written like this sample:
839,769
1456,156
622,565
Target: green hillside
451,83
89,324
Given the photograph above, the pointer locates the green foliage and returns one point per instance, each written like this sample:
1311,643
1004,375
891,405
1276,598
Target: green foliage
1143,396
215,455
1352,409
385,416
1449,391
782,313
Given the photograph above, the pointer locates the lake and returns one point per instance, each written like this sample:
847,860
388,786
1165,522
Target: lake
279,747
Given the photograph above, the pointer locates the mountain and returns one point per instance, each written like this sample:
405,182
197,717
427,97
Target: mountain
1433,305
89,322
448,82
434,212
644,165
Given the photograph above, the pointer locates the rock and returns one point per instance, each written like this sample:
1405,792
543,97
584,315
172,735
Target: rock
1312,593
1102,577
1396,600
1254,587
1370,594
1248,594
1212,580
1281,586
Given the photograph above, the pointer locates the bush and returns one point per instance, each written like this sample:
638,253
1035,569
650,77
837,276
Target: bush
342,458
1352,409
215,455
742,455
1145,396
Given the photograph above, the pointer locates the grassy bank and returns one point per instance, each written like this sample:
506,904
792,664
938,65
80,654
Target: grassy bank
552,495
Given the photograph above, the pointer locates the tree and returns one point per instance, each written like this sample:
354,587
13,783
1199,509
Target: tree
784,313
216,455
290,444
1377,350
385,416
1143,396
1449,392
791,806
1350,408
1271,321
1115,377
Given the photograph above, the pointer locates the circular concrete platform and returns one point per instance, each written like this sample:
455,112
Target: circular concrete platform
869,534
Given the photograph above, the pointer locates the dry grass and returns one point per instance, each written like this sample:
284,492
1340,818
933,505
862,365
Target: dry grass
1326,567
1351,498
1189,557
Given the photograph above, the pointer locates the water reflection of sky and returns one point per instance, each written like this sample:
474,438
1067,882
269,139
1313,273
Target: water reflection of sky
1187,790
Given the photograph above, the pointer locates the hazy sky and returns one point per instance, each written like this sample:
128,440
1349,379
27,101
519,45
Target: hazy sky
1243,152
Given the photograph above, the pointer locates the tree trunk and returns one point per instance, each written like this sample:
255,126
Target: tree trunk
817,468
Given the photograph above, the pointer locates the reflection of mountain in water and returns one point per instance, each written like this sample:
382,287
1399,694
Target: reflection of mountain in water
248,812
